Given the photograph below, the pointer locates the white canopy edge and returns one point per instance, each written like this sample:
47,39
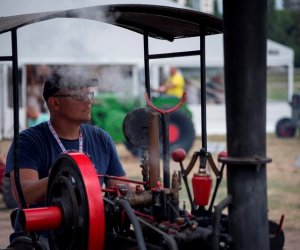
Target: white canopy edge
74,41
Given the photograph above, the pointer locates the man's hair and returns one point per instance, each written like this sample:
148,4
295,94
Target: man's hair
74,81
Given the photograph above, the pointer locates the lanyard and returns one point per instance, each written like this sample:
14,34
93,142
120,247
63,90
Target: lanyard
59,141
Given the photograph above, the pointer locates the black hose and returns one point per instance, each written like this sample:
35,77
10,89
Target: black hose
217,221
169,239
135,223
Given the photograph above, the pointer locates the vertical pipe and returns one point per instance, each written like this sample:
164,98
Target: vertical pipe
154,151
245,89
15,78
146,64
166,149
203,92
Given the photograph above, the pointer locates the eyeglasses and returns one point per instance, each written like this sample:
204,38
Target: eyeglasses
79,97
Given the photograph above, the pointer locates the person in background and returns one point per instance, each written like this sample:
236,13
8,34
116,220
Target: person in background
174,85
35,77
215,90
193,92
34,117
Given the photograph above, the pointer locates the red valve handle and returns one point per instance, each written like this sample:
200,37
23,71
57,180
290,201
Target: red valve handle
178,155
223,154
167,111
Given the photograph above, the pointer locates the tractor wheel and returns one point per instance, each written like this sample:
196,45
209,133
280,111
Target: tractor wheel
285,127
7,194
181,131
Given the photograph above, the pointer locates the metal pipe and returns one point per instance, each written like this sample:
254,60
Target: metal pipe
203,92
110,177
218,182
166,149
40,219
6,58
146,64
169,239
15,78
154,150
245,91
175,54
184,177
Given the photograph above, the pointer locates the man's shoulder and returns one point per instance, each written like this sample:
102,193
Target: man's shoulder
89,128
35,130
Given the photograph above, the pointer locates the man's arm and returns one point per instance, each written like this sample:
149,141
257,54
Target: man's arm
34,189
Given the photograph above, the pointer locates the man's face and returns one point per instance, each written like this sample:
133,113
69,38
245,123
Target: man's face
75,104
172,71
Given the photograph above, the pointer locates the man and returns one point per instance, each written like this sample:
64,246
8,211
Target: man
174,84
69,100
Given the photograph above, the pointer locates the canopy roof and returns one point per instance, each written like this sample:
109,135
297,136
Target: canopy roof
161,22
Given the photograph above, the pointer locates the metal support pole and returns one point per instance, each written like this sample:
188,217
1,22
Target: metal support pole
15,78
203,92
245,89
166,149
146,64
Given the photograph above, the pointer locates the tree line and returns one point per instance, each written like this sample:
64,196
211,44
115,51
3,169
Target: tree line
283,26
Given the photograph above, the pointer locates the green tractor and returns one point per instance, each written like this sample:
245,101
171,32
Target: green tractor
109,111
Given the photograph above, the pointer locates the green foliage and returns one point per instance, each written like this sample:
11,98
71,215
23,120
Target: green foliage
216,9
284,27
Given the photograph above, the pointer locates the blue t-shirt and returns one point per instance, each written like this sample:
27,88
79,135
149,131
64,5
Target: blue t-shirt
39,150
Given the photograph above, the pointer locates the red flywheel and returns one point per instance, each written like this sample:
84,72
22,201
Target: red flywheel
75,215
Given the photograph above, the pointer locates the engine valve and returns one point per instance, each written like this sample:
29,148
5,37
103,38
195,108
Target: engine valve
202,183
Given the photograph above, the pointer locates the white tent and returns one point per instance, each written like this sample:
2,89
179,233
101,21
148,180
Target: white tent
75,41
83,41
277,55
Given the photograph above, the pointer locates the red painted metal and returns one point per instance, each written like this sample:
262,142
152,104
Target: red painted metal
165,111
174,133
122,179
146,216
178,155
95,201
223,154
202,187
280,225
43,218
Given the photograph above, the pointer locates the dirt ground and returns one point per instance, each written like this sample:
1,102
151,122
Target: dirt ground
283,183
